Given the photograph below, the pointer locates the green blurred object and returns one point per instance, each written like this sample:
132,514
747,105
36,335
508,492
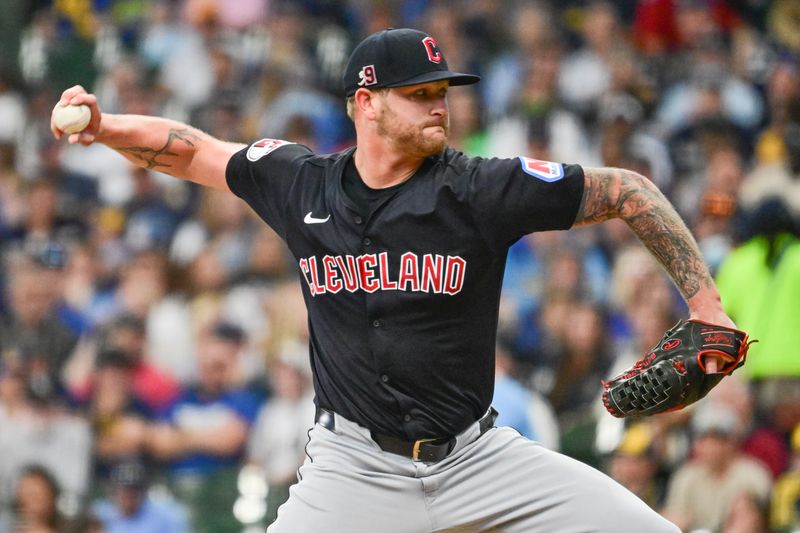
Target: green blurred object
276,497
71,63
16,16
577,441
763,301
210,499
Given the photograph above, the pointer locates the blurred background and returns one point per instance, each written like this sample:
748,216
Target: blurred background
153,344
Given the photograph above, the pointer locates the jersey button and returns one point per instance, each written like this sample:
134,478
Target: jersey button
385,378
376,323
367,241
407,418
358,220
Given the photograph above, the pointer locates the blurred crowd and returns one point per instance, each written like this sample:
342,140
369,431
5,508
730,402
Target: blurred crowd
154,372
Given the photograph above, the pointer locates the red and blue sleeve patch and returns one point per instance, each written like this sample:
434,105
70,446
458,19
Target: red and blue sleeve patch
543,170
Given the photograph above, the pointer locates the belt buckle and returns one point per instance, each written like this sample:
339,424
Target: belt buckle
417,444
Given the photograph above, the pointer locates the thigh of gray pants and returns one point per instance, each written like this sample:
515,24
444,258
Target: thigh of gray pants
499,482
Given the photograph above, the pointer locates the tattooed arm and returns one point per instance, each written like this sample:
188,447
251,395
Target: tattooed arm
155,143
618,193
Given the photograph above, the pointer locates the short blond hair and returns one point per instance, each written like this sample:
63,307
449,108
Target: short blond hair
350,103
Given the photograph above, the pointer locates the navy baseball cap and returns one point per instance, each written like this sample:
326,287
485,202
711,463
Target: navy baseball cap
129,472
396,58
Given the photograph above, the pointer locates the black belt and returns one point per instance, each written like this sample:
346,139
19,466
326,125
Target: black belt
427,450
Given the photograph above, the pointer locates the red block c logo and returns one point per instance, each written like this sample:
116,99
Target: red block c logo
434,55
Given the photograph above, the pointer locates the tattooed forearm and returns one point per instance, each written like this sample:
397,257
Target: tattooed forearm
618,193
148,157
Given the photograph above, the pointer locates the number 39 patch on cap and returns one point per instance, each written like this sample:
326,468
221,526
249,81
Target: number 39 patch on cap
261,148
544,170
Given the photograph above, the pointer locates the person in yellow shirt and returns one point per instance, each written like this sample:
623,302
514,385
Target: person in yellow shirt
759,282
784,515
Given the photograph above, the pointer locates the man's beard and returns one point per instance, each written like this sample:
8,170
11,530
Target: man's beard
410,138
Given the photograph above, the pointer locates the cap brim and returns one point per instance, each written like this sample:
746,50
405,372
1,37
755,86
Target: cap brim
455,78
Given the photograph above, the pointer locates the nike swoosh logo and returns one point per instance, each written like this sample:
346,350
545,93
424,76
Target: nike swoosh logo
311,220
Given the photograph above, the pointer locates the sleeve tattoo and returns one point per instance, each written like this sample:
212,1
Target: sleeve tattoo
618,193
150,156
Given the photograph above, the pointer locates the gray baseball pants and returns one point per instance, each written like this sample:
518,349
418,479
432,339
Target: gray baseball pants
498,482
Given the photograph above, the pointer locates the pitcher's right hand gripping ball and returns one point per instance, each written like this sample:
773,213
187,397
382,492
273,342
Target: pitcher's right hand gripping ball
672,375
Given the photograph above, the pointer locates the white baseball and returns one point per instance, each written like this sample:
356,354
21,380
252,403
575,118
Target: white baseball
72,118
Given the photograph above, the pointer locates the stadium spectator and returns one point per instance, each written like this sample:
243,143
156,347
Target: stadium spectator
151,220
222,224
748,514
764,437
585,361
785,502
782,24
203,434
30,332
767,264
525,410
533,32
582,364
702,493
35,503
585,75
625,141
123,341
782,91
36,429
130,507
780,179
635,463
142,285
42,223
715,209
119,421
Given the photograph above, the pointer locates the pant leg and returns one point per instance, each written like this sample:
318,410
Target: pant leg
349,485
504,482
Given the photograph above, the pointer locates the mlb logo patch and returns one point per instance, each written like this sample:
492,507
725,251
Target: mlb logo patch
261,148
544,170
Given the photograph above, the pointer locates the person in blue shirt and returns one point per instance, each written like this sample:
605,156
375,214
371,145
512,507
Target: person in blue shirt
523,409
202,435
129,509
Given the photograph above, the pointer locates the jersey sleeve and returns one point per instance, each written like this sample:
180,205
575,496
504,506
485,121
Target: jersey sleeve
263,174
514,197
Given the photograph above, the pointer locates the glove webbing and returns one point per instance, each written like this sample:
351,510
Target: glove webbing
648,389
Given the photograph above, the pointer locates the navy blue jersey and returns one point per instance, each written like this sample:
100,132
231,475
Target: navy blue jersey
403,304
